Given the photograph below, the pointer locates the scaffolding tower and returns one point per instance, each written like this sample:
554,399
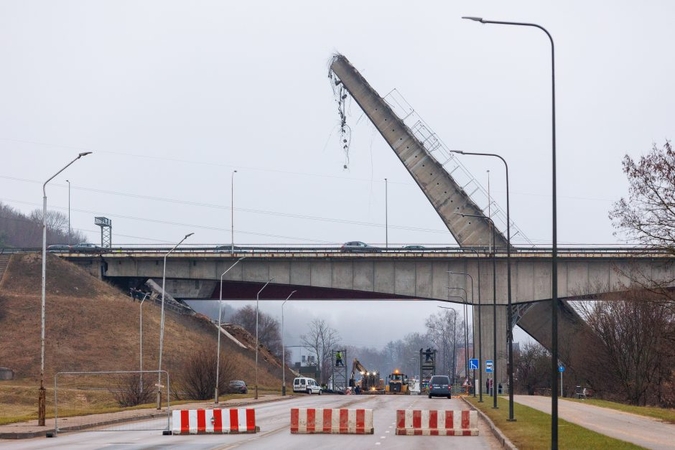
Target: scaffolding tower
339,378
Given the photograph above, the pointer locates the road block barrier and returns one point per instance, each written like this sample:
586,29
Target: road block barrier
415,422
213,421
331,421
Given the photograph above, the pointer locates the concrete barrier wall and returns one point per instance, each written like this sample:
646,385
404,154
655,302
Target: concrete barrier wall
415,422
213,421
331,421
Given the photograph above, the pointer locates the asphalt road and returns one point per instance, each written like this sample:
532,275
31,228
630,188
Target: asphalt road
639,430
274,421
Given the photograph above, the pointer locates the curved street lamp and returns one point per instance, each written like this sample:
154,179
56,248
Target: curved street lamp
509,312
220,331
554,234
257,342
473,333
232,213
161,325
42,392
283,348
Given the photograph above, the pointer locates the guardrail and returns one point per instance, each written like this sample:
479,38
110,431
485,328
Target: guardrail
603,251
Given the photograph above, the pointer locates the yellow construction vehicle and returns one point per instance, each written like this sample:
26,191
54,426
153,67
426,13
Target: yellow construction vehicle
397,383
370,382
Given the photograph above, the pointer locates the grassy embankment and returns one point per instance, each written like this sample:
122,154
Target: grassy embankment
532,428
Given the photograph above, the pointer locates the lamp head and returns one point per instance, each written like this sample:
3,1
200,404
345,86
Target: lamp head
83,154
188,235
475,19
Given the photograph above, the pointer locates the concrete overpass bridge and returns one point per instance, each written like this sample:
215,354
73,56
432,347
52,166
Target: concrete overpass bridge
476,225
392,274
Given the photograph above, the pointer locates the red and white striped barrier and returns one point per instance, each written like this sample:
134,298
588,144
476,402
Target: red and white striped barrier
331,421
415,422
213,421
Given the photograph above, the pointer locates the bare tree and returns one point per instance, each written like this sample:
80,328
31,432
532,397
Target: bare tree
322,340
443,331
269,333
636,329
197,378
648,214
56,221
532,368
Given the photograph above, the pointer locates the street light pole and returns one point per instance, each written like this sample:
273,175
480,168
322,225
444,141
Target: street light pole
68,181
42,392
140,343
283,348
554,237
232,214
473,333
509,312
161,325
220,315
466,331
386,213
257,342
494,306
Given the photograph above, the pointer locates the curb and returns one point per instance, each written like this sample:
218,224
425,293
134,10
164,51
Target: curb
503,440
51,432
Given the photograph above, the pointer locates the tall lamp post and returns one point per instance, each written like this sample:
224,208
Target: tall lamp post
283,348
232,214
554,235
466,330
257,342
220,315
140,343
161,325
480,378
386,213
42,391
68,181
509,312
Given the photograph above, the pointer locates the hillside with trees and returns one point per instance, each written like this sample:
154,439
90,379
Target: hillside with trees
20,231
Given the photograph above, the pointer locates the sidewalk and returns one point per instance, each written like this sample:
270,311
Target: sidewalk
639,430
31,429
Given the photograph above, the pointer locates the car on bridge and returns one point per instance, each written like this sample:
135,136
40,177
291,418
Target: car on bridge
414,247
85,247
57,248
358,247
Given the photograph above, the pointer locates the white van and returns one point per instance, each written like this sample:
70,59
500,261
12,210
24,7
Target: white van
308,385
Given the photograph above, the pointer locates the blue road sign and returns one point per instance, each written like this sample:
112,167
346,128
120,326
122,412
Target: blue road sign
488,365
473,364
561,368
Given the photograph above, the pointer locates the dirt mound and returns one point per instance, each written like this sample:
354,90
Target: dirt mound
92,326
24,276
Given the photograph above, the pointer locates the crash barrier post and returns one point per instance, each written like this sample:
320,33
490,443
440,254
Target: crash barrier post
415,422
331,421
214,421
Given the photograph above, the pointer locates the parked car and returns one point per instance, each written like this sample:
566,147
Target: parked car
414,247
358,247
238,387
85,247
439,386
308,385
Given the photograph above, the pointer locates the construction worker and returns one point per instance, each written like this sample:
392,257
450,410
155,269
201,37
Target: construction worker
338,359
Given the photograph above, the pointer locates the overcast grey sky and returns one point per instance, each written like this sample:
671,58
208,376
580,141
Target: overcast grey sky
172,96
